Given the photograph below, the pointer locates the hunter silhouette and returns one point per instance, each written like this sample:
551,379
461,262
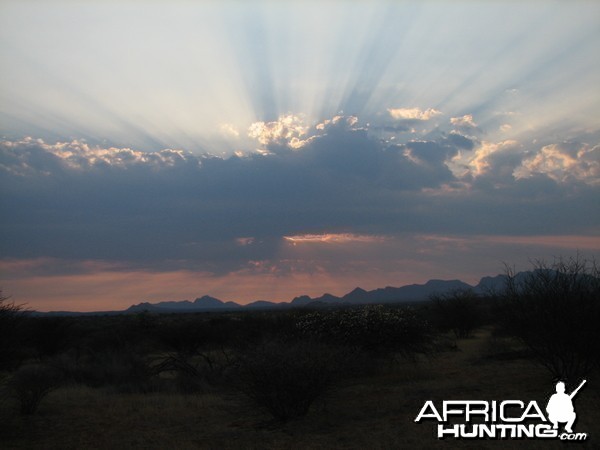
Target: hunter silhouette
560,407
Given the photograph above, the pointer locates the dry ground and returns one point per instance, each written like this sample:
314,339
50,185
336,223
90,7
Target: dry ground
375,412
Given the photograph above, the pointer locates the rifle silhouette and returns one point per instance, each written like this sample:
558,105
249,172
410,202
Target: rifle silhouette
572,394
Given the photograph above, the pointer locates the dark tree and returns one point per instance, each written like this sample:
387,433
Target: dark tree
555,311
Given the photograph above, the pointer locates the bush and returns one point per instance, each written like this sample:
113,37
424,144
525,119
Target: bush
196,351
286,378
11,346
125,370
555,311
50,336
376,329
32,383
458,311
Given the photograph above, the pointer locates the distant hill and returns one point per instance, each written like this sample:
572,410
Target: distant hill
413,292
358,296
410,293
489,285
205,303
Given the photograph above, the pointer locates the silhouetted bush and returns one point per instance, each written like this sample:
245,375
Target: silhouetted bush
458,311
186,383
376,329
197,349
501,346
125,370
31,383
50,336
11,343
254,327
286,378
183,337
555,311
108,334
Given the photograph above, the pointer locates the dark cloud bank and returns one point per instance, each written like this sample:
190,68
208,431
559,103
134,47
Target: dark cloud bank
155,209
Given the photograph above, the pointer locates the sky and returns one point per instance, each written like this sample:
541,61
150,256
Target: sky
261,150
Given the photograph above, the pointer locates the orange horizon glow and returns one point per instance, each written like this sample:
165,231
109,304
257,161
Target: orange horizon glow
114,291
47,284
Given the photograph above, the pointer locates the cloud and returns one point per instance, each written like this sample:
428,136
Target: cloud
245,241
286,131
460,141
229,130
490,158
175,210
563,163
340,123
35,157
589,243
465,121
428,162
332,238
413,113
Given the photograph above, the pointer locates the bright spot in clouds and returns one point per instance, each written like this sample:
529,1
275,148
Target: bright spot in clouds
413,113
287,129
329,238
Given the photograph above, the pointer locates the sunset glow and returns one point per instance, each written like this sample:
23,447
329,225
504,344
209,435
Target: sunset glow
342,238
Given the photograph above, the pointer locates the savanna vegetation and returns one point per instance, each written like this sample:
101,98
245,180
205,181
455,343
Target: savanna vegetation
343,377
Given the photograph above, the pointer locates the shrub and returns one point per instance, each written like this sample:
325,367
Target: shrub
555,311
50,336
32,383
183,341
124,369
286,378
183,338
458,311
196,350
376,329
11,345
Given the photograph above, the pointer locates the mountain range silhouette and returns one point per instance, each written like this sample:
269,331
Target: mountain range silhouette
358,296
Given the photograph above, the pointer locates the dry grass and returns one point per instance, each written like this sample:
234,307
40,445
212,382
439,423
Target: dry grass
374,412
